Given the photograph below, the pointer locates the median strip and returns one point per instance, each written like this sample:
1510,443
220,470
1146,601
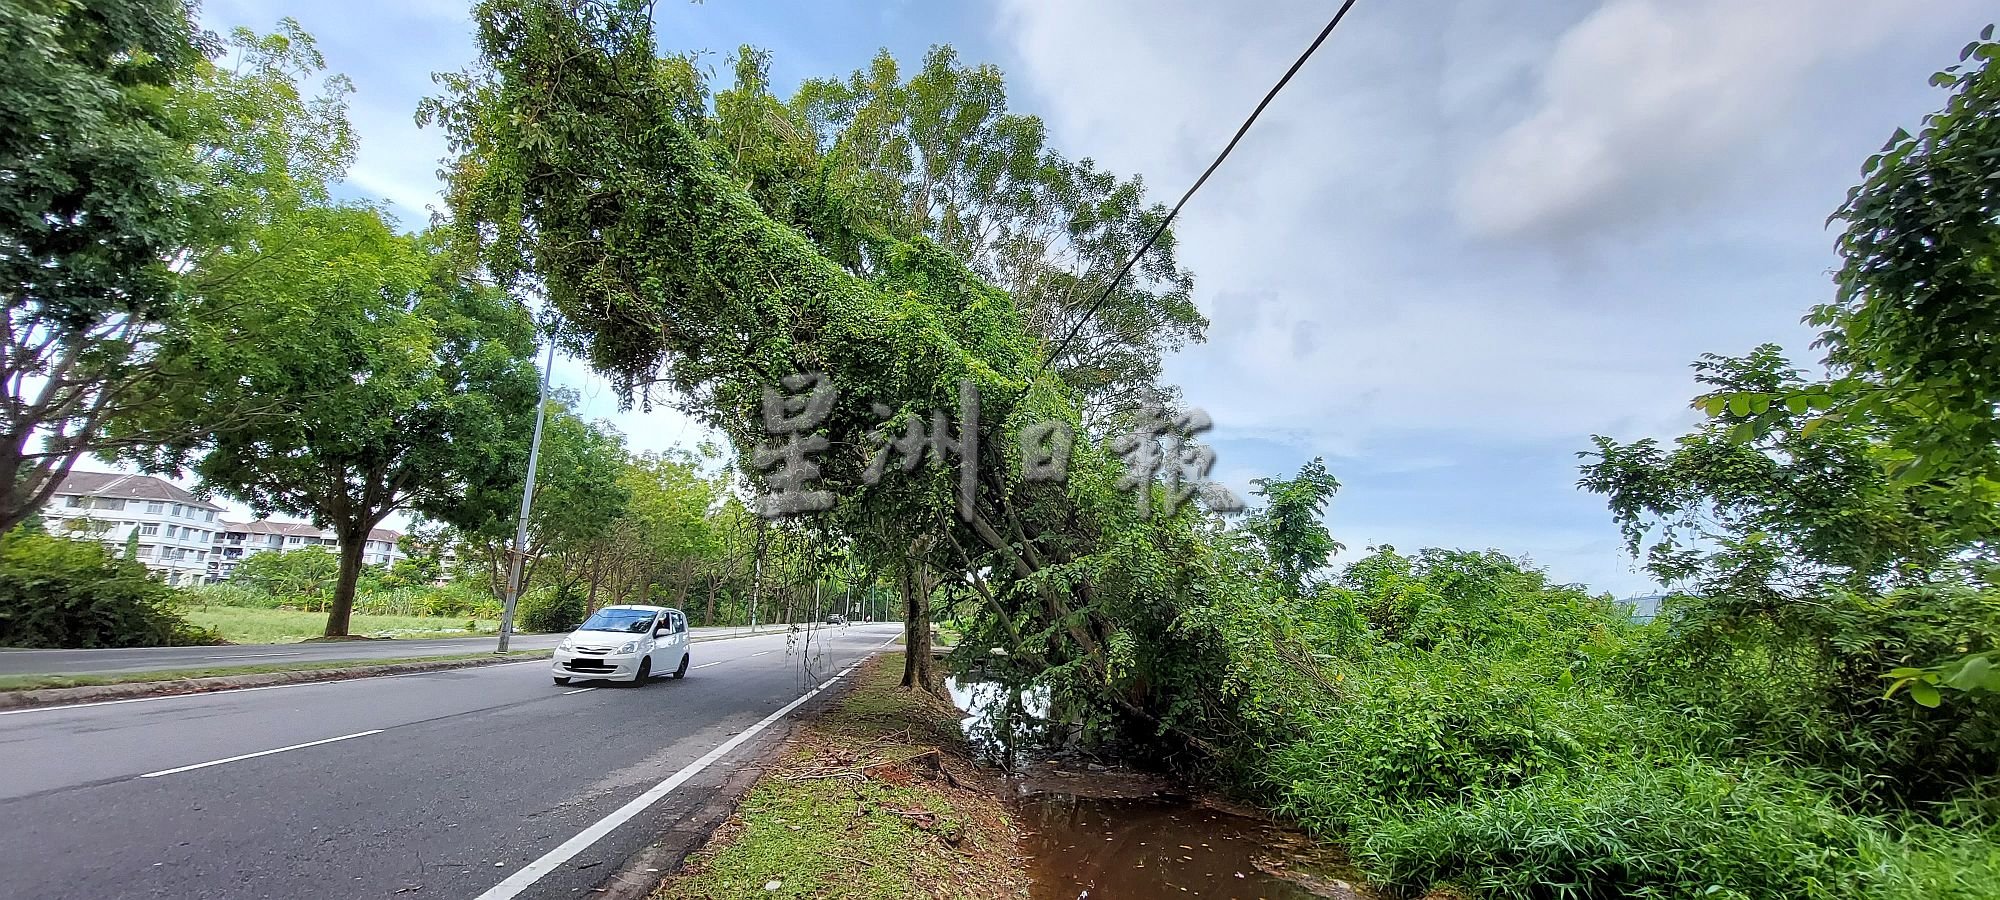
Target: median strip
138,687
217,762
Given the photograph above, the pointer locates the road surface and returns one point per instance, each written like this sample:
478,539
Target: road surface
439,784
163,659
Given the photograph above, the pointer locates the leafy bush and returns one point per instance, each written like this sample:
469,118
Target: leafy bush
229,593
59,592
1455,718
304,578
550,610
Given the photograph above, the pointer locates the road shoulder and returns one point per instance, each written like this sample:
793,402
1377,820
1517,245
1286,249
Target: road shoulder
874,796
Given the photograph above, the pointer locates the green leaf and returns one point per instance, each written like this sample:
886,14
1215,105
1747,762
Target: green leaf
1739,404
1974,673
1924,694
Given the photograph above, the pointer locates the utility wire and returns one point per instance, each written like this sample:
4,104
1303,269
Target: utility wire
1162,229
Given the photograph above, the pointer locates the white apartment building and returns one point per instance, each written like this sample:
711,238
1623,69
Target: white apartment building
236,540
176,530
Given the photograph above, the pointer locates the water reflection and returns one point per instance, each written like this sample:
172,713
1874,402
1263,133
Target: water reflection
1006,723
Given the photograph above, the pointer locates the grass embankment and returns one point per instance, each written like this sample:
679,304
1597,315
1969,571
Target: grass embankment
39,682
249,625
876,797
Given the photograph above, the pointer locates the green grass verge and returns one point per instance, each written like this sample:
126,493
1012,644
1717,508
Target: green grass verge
38,682
846,814
248,625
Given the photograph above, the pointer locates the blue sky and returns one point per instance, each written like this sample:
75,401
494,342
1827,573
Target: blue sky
1469,235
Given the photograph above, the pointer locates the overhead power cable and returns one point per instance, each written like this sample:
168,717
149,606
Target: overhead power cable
1162,228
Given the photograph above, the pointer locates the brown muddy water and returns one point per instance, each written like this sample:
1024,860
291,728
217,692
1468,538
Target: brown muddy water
1103,832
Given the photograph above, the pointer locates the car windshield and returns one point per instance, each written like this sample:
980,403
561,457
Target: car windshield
630,621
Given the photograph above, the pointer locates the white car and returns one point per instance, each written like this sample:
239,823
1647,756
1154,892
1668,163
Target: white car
625,643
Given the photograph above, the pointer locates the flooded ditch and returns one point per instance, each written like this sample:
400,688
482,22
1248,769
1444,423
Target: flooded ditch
1097,831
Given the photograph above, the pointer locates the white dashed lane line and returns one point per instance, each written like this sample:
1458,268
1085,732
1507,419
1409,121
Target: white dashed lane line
231,759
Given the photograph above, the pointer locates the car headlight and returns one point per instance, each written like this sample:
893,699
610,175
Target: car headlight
564,645
629,647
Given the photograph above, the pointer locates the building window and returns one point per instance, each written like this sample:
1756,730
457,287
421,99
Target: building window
110,503
210,517
76,501
150,528
156,506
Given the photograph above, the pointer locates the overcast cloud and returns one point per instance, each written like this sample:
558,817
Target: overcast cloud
1467,237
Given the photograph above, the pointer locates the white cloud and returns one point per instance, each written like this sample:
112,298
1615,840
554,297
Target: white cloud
1660,172
1643,101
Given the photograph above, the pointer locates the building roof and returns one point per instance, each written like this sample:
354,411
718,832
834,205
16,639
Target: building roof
129,487
299,529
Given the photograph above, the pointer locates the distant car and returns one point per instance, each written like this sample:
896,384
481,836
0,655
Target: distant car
625,643
835,619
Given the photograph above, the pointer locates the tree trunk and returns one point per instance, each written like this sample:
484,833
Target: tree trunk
352,543
915,588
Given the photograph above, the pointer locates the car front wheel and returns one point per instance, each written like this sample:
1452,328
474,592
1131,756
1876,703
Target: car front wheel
682,672
562,679
645,671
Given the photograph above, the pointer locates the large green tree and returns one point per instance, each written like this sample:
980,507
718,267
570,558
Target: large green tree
578,495
394,383
146,176
91,211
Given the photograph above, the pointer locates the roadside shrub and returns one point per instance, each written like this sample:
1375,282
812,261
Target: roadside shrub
62,593
228,593
1805,681
550,610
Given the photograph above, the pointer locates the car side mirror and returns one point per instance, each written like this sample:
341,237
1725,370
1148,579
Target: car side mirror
663,631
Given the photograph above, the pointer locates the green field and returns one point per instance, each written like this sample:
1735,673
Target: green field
244,625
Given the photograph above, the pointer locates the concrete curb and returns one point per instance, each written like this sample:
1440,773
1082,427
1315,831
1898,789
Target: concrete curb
97,693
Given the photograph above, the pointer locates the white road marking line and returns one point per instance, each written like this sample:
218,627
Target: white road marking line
706,665
533,872
247,656
232,759
577,691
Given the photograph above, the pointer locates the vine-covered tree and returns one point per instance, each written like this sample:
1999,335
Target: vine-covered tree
583,166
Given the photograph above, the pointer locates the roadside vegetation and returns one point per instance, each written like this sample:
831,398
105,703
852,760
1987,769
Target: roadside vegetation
874,797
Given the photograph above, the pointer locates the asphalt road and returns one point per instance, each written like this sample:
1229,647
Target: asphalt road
439,784
162,659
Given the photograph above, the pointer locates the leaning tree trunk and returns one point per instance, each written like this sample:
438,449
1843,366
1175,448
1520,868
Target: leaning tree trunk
339,615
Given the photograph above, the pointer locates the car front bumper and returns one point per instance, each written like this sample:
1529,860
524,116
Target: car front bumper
570,664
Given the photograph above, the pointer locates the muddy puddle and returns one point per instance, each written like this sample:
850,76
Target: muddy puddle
1092,830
